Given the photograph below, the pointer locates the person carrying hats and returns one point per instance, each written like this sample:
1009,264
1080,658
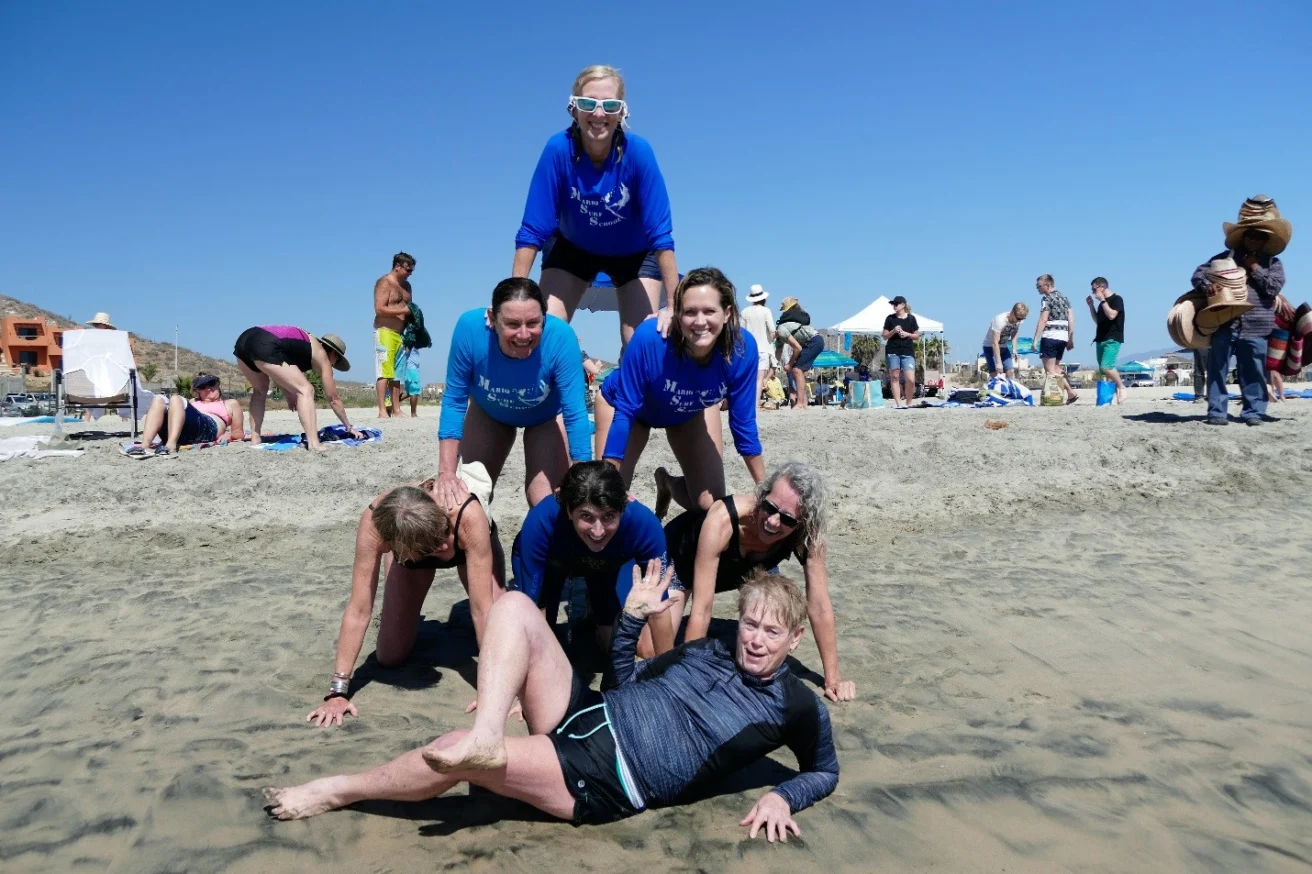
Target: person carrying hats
758,321
1248,268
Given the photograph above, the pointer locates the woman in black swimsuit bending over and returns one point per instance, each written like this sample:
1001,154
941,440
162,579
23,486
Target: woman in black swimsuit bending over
716,550
422,537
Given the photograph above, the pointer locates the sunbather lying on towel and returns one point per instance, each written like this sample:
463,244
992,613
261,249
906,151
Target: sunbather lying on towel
206,418
422,536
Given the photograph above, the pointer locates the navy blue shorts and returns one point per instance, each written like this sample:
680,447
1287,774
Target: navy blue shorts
590,761
1006,359
810,352
197,427
560,254
1053,349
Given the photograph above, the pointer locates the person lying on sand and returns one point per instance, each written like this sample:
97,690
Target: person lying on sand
206,418
595,757
589,528
716,550
422,536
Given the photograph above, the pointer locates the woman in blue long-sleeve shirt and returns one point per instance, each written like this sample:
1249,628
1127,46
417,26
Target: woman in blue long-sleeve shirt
678,383
512,366
597,203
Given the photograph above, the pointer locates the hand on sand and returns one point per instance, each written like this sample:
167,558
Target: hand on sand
645,597
840,690
332,712
772,812
450,490
470,753
516,711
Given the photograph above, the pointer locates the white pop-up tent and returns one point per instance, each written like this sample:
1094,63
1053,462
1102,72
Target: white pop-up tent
871,321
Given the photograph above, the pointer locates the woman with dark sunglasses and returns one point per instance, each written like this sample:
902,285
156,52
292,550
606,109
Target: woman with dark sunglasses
598,204
717,550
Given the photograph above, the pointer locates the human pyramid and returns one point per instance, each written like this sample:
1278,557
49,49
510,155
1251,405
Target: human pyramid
688,715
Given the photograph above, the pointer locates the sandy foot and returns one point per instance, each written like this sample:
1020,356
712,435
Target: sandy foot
300,802
471,753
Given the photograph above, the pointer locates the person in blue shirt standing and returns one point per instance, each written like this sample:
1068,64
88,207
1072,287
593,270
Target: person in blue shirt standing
678,383
597,203
512,366
588,529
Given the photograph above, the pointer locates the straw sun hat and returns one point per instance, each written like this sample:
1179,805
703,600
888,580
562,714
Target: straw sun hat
1259,213
336,344
101,319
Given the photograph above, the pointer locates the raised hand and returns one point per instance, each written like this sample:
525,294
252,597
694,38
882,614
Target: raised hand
645,597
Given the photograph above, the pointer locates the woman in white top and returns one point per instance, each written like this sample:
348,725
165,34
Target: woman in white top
758,321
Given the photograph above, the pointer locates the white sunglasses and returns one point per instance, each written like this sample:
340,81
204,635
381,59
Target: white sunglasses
589,105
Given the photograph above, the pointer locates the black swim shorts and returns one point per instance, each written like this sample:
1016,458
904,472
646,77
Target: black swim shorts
560,254
591,762
257,344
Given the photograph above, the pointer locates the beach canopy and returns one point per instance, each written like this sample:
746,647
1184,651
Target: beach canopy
1133,367
871,320
833,359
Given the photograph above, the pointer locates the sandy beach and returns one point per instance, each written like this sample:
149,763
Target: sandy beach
1080,642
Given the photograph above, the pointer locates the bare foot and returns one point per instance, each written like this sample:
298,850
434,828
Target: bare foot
471,753
662,477
255,440
299,802
318,447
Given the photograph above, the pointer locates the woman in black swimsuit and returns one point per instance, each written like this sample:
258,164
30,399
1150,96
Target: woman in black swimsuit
422,537
716,550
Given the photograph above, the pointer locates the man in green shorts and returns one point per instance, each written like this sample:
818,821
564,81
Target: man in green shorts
1108,312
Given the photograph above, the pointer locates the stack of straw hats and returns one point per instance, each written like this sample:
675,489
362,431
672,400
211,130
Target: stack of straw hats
1196,316
1259,213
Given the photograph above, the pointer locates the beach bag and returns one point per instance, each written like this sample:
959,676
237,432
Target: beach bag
1106,392
1276,347
1053,394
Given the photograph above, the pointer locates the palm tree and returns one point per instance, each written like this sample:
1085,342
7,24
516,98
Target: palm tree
865,348
148,372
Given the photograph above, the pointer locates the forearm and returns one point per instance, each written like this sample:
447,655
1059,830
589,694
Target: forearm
523,263
340,409
826,640
756,467
699,617
448,455
624,646
350,639
669,266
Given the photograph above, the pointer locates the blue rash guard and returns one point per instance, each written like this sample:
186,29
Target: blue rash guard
516,392
548,549
659,387
690,717
620,208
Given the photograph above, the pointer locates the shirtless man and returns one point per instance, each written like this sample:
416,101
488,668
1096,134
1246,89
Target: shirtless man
391,309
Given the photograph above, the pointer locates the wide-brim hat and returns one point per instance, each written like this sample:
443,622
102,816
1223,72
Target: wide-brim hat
1180,321
1259,213
102,319
788,303
757,294
338,346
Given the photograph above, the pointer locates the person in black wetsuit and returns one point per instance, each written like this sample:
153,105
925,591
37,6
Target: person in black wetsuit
671,726
716,550
422,538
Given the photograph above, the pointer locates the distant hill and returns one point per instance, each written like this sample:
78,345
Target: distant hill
145,350
1151,353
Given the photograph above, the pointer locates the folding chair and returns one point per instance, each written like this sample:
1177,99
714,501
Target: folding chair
98,371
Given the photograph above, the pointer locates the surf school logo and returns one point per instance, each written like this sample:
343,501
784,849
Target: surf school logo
511,398
603,212
687,400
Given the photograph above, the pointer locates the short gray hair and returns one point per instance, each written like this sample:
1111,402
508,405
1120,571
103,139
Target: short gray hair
812,493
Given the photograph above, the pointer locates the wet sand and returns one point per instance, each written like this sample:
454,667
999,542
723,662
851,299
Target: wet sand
1080,643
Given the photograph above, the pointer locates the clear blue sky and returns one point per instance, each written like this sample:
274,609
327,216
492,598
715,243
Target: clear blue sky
220,165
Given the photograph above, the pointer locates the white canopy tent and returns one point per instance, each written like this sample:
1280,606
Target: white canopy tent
871,321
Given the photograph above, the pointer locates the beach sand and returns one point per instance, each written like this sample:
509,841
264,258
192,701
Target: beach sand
1080,642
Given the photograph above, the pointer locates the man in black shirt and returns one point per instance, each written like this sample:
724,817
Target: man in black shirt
901,331
1108,311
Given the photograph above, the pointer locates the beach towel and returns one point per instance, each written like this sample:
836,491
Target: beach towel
32,447
1190,396
1003,391
333,435
35,420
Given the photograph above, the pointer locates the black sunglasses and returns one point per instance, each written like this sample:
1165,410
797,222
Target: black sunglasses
770,509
